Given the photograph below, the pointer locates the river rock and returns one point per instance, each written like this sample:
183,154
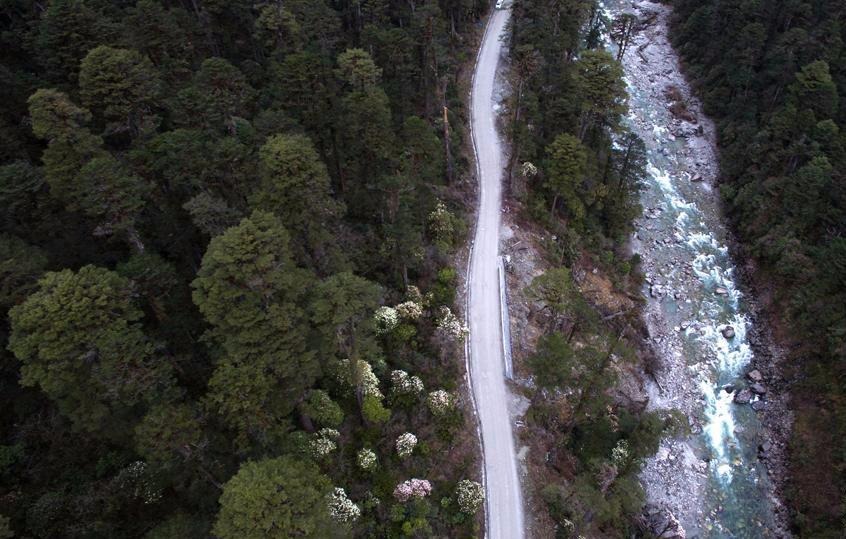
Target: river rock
663,524
695,425
720,291
754,375
743,396
758,388
764,449
759,405
683,130
697,178
728,332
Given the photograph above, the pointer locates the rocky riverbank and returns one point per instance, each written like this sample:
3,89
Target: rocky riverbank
719,365
772,406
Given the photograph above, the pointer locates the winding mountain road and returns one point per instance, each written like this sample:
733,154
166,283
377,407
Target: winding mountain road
487,367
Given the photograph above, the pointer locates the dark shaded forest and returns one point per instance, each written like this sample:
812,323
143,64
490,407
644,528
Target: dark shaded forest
773,76
226,255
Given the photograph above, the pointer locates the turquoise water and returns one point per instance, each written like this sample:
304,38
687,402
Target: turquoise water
684,240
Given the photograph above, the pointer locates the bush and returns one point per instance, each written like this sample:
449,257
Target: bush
443,290
470,496
322,409
373,411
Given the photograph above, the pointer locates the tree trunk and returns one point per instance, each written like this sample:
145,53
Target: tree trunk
134,239
450,161
572,333
515,150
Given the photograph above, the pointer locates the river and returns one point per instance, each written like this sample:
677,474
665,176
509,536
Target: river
698,317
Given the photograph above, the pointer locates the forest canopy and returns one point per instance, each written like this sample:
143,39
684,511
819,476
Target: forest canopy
226,255
773,74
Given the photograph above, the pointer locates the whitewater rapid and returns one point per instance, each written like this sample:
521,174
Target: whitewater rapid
713,480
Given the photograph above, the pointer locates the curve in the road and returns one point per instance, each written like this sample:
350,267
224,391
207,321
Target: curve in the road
486,363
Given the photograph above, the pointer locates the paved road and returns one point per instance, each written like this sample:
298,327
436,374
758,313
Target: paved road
504,500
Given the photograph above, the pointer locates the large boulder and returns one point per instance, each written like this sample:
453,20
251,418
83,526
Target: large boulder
662,524
743,396
758,388
754,375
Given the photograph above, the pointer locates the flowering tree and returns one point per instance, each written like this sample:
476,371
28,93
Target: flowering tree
405,445
412,488
620,454
385,320
440,221
440,402
323,442
528,169
449,324
341,508
409,310
412,293
470,496
360,377
442,225
136,479
403,384
366,460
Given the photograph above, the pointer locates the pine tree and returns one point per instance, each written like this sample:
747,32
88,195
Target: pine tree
565,174
275,498
255,298
122,87
295,186
80,340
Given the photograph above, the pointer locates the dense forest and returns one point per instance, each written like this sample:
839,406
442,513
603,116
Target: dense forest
226,255
576,174
773,75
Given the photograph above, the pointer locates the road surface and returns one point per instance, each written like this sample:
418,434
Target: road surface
504,500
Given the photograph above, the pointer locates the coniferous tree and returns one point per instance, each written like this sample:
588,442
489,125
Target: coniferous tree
273,498
80,340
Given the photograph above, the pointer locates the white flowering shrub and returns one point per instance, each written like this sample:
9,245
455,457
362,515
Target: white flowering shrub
341,508
529,170
136,478
385,319
620,454
450,325
403,384
364,375
412,293
323,442
409,310
371,501
412,488
470,496
331,434
366,460
441,223
440,402
368,381
405,445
